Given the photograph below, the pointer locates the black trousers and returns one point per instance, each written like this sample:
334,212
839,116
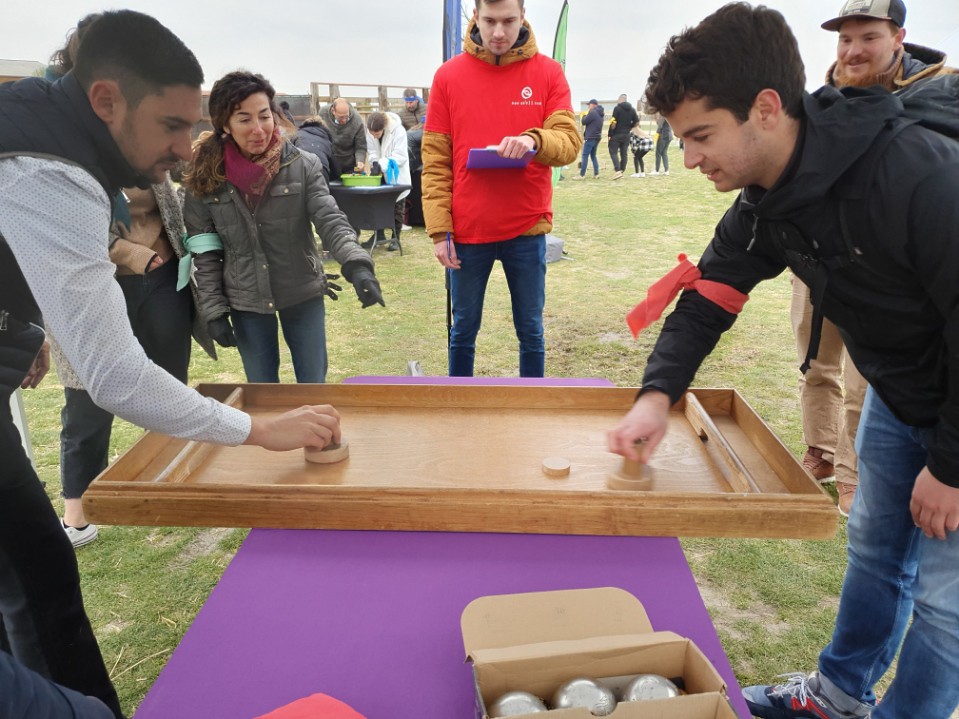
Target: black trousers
618,147
42,620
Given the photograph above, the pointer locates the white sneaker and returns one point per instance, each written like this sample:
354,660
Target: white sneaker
618,175
79,537
655,172
637,174
666,173
579,177
405,228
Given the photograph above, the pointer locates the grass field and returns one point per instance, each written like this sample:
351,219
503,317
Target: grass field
773,602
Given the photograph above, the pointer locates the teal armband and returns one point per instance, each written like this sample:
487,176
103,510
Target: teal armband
196,245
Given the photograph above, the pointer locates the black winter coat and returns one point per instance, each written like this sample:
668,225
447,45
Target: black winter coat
892,290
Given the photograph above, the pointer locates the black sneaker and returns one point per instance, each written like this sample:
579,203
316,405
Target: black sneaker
393,246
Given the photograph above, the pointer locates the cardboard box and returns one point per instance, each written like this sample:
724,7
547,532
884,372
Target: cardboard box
534,642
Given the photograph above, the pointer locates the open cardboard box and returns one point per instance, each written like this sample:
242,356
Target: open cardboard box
534,642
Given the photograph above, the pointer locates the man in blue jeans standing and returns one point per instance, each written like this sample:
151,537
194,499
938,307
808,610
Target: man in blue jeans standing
859,202
592,132
499,92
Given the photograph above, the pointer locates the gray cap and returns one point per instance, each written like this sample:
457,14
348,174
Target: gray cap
892,10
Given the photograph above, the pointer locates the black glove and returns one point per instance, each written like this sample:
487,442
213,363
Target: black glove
331,286
375,168
367,287
221,331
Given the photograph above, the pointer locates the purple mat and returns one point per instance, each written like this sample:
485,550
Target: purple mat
372,618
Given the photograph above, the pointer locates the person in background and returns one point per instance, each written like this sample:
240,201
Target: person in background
386,141
476,217
267,269
285,109
119,119
593,131
804,168
625,118
640,143
664,136
349,135
315,138
870,50
413,114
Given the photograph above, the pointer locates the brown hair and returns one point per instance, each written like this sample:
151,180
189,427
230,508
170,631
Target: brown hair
207,171
493,2
376,122
61,62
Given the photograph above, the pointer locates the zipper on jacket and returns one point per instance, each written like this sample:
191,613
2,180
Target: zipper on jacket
3,320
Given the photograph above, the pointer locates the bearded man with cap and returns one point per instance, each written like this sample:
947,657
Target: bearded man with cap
870,51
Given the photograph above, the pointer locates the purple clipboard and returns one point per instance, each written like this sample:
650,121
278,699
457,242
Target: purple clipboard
485,158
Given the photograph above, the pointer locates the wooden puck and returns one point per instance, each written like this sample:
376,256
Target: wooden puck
556,467
330,454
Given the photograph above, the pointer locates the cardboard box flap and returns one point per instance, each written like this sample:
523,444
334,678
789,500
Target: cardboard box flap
508,620
589,646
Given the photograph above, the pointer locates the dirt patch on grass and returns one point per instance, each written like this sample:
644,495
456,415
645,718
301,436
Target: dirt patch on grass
726,616
202,545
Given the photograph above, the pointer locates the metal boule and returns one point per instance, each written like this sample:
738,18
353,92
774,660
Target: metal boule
516,703
649,686
588,693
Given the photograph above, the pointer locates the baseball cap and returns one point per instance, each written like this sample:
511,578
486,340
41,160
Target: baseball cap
893,10
593,102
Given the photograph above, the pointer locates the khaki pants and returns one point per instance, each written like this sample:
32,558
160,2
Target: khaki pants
830,416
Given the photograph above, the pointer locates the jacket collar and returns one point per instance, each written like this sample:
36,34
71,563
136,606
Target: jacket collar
523,49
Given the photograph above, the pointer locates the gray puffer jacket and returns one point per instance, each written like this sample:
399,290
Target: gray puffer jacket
270,260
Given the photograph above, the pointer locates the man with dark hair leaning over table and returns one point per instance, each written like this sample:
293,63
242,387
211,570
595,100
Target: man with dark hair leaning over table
732,88
501,92
121,118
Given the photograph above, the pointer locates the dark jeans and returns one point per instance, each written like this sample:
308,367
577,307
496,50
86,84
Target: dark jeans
304,329
26,695
161,319
662,148
638,161
524,264
42,619
618,147
589,153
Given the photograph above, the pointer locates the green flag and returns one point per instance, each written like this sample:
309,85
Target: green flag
559,54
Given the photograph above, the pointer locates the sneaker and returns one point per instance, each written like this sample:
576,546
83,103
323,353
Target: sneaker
579,177
79,536
654,172
847,493
405,228
797,697
393,246
618,175
666,173
368,245
636,174
819,467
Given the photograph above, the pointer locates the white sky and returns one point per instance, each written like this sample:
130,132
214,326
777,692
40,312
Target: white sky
611,45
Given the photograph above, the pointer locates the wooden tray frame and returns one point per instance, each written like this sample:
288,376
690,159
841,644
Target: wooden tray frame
131,491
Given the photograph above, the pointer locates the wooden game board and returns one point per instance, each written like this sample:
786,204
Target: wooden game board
470,459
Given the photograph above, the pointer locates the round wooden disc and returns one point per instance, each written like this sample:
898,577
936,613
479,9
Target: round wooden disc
329,454
556,467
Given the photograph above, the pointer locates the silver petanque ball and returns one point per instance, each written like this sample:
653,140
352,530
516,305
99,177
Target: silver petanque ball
649,686
516,703
582,692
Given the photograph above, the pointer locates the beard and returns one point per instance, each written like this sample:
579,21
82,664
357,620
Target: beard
886,78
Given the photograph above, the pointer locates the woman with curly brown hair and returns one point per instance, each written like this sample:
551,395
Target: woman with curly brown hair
251,199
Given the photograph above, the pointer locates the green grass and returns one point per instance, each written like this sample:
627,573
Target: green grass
773,602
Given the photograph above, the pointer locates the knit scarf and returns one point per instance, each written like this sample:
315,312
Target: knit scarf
252,177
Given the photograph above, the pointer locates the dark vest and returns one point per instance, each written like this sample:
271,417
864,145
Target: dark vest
54,119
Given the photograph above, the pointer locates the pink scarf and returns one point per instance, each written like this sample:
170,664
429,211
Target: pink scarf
252,177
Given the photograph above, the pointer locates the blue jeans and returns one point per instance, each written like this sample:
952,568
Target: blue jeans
524,264
895,574
304,329
589,153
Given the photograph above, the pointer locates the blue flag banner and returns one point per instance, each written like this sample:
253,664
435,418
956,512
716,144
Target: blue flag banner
452,28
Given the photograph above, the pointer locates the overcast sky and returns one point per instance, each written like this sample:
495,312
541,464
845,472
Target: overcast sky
611,44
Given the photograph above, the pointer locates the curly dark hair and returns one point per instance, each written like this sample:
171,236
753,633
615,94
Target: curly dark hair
727,60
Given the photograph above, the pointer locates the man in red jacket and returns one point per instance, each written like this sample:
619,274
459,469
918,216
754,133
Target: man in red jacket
500,92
